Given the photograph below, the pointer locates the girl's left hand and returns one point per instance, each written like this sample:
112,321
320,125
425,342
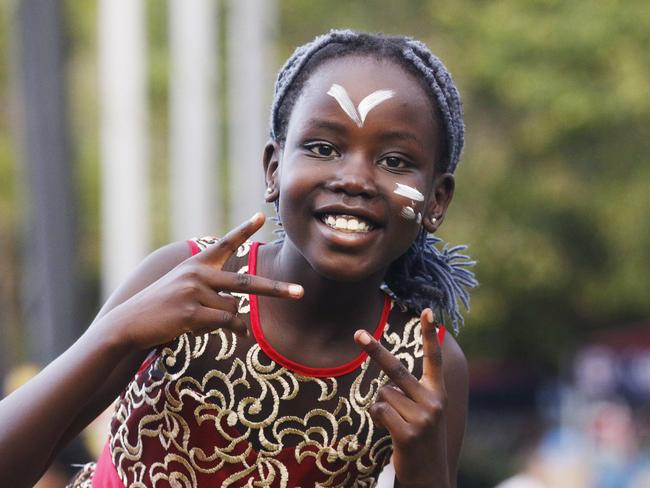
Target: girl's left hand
412,410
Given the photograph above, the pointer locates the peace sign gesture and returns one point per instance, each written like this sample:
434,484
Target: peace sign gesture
195,296
412,410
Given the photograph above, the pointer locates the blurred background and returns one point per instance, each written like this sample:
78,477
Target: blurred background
125,124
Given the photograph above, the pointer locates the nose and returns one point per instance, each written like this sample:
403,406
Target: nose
354,176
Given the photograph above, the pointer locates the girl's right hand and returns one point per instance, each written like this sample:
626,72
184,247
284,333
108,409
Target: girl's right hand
194,296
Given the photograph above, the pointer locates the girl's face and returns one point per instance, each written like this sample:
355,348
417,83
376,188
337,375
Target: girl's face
355,178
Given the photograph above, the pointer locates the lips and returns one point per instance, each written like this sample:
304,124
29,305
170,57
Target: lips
349,219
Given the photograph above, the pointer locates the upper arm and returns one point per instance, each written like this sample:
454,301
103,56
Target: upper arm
152,268
457,385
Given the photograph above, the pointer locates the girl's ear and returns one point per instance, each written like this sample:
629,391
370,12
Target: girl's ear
443,192
271,161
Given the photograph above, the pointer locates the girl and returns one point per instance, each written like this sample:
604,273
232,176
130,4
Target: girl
310,361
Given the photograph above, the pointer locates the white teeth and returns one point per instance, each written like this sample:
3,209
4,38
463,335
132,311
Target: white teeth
346,223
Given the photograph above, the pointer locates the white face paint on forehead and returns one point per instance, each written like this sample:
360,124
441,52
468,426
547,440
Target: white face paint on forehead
358,114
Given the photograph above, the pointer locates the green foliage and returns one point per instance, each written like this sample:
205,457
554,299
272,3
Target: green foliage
558,112
11,201
158,68
82,83
7,169
11,208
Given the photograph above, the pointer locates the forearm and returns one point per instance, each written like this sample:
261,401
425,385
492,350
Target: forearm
442,484
34,418
119,374
103,397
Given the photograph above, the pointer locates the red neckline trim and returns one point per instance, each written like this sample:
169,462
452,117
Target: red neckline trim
292,365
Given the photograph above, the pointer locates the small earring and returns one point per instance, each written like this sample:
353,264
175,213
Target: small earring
268,191
433,220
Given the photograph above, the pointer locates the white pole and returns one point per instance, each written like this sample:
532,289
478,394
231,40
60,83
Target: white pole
194,131
250,30
124,140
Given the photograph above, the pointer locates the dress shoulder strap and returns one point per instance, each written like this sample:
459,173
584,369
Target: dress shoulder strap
198,244
234,263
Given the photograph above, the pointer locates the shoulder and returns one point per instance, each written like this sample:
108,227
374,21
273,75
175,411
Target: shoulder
152,268
455,373
235,262
453,360
166,258
456,380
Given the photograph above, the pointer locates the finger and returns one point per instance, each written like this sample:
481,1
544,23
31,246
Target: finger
221,301
384,415
395,397
230,299
251,284
392,366
208,319
432,358
225,247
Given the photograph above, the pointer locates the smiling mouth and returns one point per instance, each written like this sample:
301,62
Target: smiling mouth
346,223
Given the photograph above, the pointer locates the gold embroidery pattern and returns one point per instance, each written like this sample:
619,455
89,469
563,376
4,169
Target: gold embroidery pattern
83,478
248,408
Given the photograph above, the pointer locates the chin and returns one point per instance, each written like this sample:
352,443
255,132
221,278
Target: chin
344,272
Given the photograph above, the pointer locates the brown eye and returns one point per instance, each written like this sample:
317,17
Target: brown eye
322,149
393,162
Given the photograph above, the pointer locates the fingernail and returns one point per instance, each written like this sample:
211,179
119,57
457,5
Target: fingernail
430,316
296,291
364,338
257,217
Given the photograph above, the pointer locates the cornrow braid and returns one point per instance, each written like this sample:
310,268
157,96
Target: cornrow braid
424,276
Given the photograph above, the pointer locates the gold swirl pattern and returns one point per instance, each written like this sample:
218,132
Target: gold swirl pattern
215,409
83,478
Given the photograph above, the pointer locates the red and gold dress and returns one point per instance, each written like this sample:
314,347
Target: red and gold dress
221,411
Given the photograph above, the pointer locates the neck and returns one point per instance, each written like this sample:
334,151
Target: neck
342,306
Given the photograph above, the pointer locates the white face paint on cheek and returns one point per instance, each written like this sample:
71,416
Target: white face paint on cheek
409,192
358,114
408,212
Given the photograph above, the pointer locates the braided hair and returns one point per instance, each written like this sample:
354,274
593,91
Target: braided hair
424,276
